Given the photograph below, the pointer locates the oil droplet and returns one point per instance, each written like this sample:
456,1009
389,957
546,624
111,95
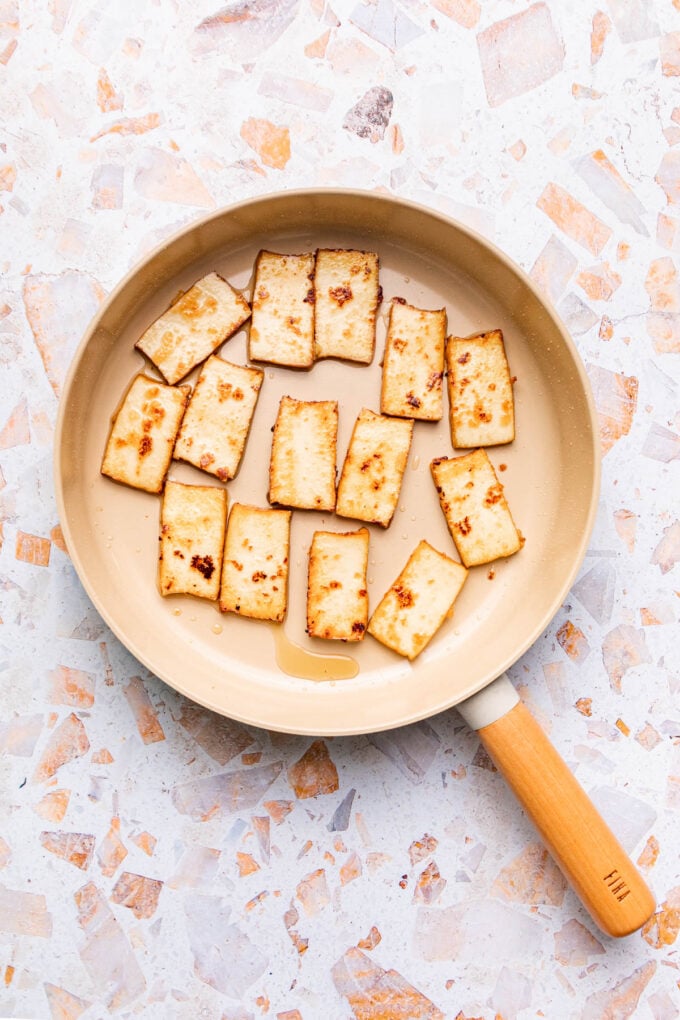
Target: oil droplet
192,619
107,545
401,509
413,518
270,375
177,612
371,580
404,536
109,538
217,628
297,661
416,462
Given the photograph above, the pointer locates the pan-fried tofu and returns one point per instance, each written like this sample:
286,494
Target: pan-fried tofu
475,508
217,421
255,568
302,467
337,595
193,521
481,406
371,477
282,326
414,608
413,367
347,294
194,326
143,434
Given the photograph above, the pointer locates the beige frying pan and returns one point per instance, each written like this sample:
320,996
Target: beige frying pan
276,677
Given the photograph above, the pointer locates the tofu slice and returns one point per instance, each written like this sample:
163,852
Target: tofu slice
347,295
337,595
414,608
194,326
193,522
282,326
255,568
302,467
475,508
481,405
143,433
217,421
413,367
371,477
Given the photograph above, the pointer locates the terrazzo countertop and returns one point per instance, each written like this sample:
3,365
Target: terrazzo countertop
384,876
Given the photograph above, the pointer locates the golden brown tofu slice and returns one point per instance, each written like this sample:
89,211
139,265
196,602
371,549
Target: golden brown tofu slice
475,508
217,421
372,474
414,608
255,568
302,467
143,433
481,406
337,595
347,294
413,367
193,521
282,326
194,326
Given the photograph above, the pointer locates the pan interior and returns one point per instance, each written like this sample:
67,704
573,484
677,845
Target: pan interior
550,472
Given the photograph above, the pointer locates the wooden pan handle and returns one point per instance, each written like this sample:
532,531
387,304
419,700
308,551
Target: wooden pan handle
583,845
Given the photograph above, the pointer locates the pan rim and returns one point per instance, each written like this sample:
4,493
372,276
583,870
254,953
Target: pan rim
255,718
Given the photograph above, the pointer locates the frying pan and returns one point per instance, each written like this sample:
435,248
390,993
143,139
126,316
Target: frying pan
268,676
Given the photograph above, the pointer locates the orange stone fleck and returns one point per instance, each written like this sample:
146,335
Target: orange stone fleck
621,725
650,854
314,774
74,847
53,805
371,940
312,892
585,706
247,864
138,893
263,1002
351,869
68,741
662,929
517,150
150,729
130,126
146,842
532,877
8,176
289,1014
33,549
606,328
397,139
625,522
251,757
9,974
103,757
601,29
57,538
573,641
16,431
573,218
464,12
111,852
278,809
270,142
107,97
317,48
71,687
599,282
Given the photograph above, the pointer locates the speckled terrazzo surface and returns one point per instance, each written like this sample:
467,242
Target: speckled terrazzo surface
158,861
